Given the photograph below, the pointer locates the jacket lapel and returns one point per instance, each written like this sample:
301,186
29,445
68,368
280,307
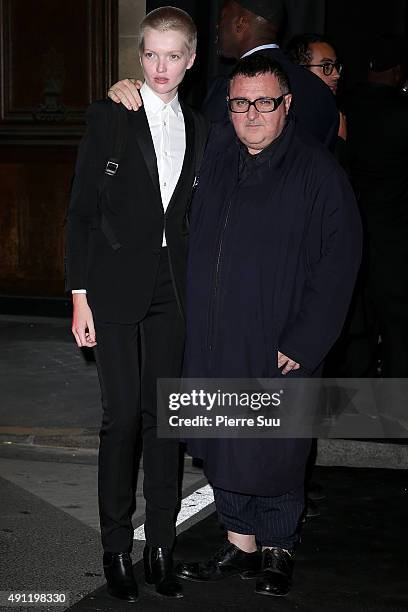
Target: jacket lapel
189,156
141,133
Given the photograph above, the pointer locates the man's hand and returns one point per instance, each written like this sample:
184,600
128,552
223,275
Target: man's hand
288,363
82,321
127,92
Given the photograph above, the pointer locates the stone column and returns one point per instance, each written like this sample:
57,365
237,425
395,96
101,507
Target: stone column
131,12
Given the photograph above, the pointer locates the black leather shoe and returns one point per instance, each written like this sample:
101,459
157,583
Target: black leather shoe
276,574
228,561
158,566
119,576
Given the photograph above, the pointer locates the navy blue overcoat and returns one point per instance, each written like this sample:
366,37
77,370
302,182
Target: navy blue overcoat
273,257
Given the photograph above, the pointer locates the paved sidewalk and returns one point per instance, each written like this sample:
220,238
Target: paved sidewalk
49,523
49,387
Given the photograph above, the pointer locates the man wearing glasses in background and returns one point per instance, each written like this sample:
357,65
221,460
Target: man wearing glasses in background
316,54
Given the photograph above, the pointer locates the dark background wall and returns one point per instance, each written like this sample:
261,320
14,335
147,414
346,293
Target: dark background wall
354,24
56,57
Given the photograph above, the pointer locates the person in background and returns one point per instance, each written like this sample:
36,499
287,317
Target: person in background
315,53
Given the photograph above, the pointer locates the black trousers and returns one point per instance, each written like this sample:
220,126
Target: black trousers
272,520
130,358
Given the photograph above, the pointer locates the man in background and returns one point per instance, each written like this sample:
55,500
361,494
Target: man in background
315,53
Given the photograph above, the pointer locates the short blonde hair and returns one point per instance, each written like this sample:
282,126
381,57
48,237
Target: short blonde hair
170,18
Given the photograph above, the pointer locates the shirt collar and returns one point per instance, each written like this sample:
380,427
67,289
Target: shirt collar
260,48
153,104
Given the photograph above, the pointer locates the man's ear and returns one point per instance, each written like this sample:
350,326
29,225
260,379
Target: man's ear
287,101
241,24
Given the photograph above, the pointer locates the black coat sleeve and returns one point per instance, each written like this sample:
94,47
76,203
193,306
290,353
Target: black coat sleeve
334,245
83,207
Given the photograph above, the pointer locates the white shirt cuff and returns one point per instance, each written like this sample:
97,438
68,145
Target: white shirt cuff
79,291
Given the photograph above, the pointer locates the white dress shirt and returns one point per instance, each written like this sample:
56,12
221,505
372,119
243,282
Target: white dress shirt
166,123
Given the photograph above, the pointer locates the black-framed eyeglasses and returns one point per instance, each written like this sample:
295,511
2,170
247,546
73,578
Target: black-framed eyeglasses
327,67
262,105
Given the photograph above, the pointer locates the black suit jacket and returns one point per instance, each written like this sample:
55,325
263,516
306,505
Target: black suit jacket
313,103
120,282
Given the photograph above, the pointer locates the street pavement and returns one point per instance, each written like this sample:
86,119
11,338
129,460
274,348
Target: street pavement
49,526
49,387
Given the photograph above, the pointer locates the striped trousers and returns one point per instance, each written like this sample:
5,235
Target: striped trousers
273,520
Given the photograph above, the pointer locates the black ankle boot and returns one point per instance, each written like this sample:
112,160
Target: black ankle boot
119,576
158,565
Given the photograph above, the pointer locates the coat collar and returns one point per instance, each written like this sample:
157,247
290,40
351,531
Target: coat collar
141,133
